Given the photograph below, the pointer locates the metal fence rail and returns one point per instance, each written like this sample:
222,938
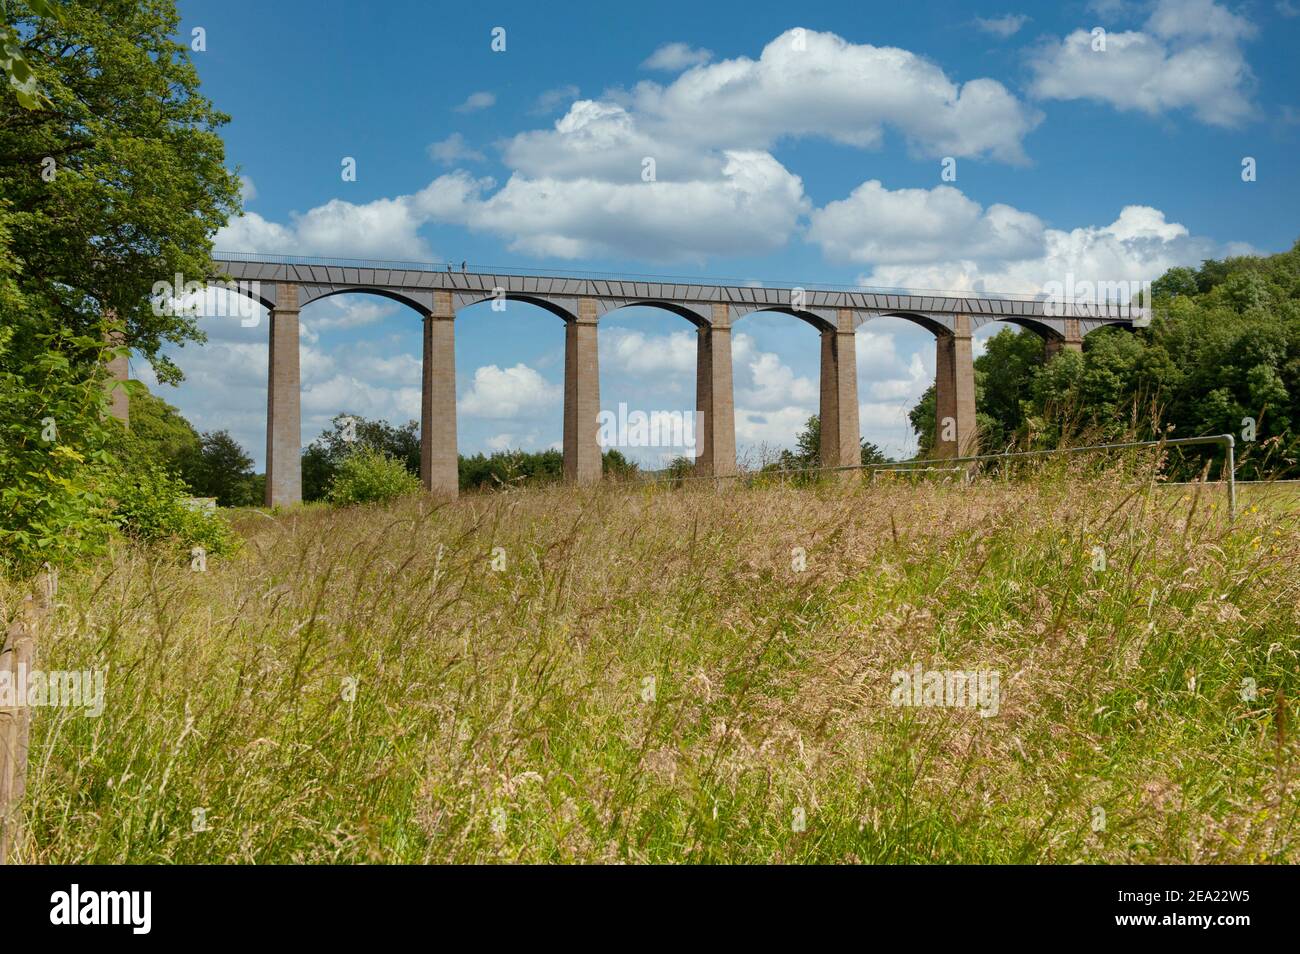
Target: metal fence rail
944,463
1228,442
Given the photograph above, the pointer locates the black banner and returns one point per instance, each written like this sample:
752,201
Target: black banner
142,905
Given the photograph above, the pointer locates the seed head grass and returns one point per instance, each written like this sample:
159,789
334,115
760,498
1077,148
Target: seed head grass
647,674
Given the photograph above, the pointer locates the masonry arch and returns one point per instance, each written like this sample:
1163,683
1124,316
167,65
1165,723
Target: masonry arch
930,324
546,304
778,369
819,322
308,295
654,377
360,357
1044,331
897,377
510,372
897,355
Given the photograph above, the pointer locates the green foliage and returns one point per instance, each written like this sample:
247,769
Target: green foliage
139,183
211,464
871,454
1224,346
807,452
54,454
510,468
13,62
368,475
679,468
1177,281
1210,360
613,464
161,433
224,471
923,418
150,506
136,188
1003,377
69,476
348,433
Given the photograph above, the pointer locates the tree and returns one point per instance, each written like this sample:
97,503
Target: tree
118,181
349,433
1177,281
22,81
224,471
1004,373
614,464
368,475
922,417
510,469
1223,350
160,432
55,469
112,180
807,452
871,454
679,469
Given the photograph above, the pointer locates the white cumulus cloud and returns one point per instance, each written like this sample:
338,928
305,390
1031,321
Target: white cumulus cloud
879,226
1187,56
476,101
675,57
517,392
1004,26
453,149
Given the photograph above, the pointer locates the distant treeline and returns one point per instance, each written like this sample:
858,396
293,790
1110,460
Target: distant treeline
1222,351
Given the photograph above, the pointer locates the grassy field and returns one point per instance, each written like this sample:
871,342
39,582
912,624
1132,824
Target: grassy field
643,674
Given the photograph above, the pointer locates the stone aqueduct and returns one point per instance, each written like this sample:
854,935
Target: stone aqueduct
284,285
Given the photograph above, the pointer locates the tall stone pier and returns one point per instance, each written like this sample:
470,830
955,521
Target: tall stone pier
283,403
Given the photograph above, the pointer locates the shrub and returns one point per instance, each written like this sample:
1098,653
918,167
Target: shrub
53,455
510,469
150,505
368,475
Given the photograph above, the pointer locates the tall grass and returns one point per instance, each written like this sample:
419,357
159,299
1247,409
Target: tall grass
650,677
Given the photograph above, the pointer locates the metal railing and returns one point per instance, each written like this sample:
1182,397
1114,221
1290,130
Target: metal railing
1225,440
1122,308
904,468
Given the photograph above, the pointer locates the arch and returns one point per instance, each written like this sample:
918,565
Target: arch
1087,327
244,289
1043,330
306,296
817,321
680,390
771,423
465,301
932,325
494,348
682,311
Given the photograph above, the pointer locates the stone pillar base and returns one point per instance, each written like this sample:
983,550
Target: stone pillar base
955,434
119,372
439,460
582,456
840,440
714,398
283,403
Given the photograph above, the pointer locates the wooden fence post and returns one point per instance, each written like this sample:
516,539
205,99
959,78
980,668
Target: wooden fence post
17,655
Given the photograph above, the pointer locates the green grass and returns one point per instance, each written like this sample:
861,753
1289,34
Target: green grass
503,716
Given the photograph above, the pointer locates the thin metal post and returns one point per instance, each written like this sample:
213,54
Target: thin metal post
1232,478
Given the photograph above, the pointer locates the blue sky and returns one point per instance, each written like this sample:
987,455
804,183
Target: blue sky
790,144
